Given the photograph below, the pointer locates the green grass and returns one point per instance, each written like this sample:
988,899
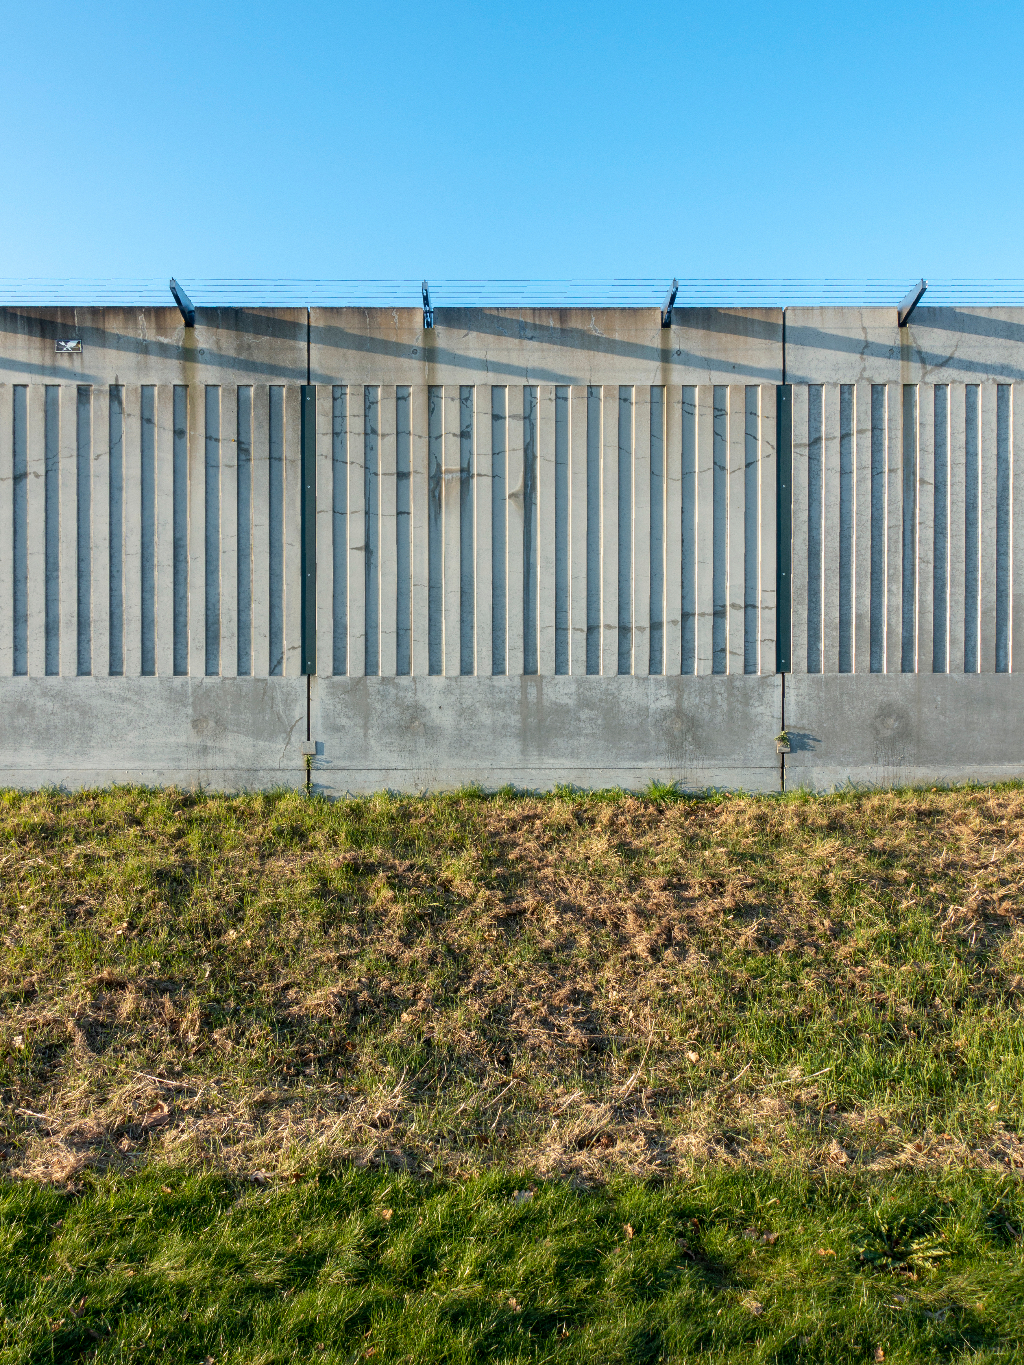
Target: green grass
226,1023
355,1266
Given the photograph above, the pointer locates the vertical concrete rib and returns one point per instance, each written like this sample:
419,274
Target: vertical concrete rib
578,529
68,496
386,541
196,530
801,568
482,521
325,530
862,528
705,534
515,522
546,529
164,523
6,531
692,519
35,535
356,531
925,538
830,529
736,522
451,531
609,529
420,434
987,529
641,576
371,551
894,528
957,523
467,554
673,504
36,530
132,448
293,531
99,506
767,474
260,530
228,531
1017,530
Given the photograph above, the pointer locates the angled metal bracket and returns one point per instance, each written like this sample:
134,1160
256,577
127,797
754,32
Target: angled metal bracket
666,307
185,305
910,302
428,312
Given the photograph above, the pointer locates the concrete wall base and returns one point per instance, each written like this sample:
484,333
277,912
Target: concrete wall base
225,734
438,733
903,729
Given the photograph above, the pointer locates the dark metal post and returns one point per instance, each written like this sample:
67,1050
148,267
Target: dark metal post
185,305
784,528
909,302
308,528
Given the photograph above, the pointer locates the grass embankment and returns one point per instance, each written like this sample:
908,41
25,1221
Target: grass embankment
756,1016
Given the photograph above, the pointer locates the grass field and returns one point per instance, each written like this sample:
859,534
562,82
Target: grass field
752,1031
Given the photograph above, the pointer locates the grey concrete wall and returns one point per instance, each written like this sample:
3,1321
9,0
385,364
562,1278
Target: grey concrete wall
903,730
908,484
575,506
428,734
225,734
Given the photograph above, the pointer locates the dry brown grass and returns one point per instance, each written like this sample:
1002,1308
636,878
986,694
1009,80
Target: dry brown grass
572,983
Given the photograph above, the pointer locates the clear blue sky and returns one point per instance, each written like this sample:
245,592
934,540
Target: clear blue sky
508,140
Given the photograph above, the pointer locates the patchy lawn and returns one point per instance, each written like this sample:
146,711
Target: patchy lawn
571,985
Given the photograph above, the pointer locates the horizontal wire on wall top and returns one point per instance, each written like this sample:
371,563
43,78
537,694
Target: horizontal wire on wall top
505,293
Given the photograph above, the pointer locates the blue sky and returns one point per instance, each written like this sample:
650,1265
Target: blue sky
509,140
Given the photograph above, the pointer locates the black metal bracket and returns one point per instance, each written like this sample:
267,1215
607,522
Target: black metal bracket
666,307
910,302
428,312
185,304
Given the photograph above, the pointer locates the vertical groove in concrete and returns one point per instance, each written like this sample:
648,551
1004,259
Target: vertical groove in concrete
387,545
610,456
326,551
1017,528
593,529
682,464
736,527
657,555
767,493
705,528
561,569
802,564
515,508
482,491
420,528
831,506
640,533
371,528
547,528
164,531
499,530
99,507
578,529
292,514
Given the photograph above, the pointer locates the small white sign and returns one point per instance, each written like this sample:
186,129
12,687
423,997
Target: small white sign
73,345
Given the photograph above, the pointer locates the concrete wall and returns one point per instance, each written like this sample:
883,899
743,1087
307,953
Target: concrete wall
908,543
545,544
